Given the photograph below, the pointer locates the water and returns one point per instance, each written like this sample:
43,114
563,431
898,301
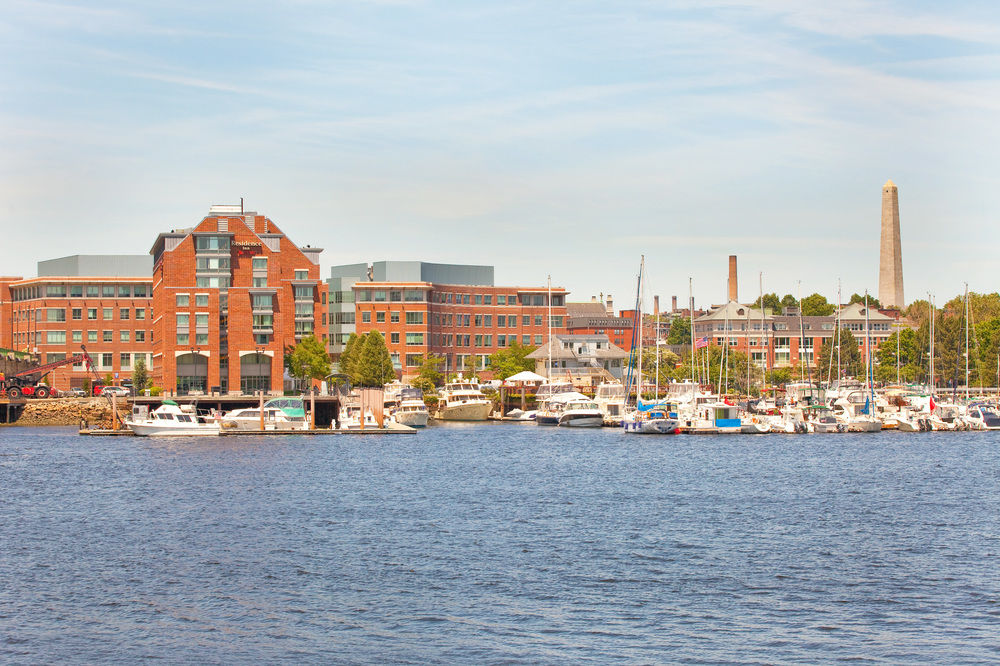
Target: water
500,543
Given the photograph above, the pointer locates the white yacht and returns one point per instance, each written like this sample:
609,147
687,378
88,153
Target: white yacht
551,410
169,420
610,399
463,401
651,420
411,410
581,414
351,420
279,414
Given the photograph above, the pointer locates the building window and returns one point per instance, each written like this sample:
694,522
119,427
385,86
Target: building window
183,339
488,299
262,301
501,299
395,296
106,360
302,274
417,295
125,360
201,338
263,321
76,291
557,322
140,313
414,317
124,335
55,314
525,340
379,317
139,291
394,317
201,320
414,338
200,301
538,320
488,321
487,340
538,339
77,313
55,290
379,296
77,336
107,314
92,291
123,314
91,313
366,317
526,320
140,336
183,320
394,338
183,300
479,299
413,360
124,291
501,341
211,243
108,336
55,337
91,336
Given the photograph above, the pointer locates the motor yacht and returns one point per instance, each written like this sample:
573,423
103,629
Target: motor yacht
610,399
170,420
463,401
651,419
411,410
581,414
278,414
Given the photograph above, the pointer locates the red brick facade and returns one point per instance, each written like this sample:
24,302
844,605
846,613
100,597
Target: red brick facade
54,316
455,321
231,295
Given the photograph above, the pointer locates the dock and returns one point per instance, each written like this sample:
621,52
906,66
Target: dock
394,430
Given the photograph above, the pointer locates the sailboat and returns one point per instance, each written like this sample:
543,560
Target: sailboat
647,418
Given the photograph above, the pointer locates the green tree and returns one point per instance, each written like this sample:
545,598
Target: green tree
918,312
309,360
770,301
779,376
912,356
511,360
852,359
470,366
140,376
816,305
680,331
860,298
373,368
349,357
789,301
430,373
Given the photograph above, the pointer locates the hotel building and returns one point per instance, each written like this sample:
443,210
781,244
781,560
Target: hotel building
102,302
229,296
449,310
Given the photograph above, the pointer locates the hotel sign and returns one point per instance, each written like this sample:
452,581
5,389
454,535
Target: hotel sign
246,248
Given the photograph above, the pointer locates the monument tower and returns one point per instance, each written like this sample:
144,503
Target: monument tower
890,269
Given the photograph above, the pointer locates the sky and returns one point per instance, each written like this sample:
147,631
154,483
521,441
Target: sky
562,138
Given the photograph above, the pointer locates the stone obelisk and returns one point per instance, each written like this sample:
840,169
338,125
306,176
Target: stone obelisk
890,269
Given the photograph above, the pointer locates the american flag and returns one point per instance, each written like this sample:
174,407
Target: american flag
703,342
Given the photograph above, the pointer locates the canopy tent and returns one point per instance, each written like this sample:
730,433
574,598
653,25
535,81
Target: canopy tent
525,377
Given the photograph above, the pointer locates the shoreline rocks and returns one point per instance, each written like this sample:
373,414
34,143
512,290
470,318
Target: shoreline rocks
68,412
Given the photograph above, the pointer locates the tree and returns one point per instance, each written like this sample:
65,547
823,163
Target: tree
770,301
912,356
816,305
788,301
919,311
512,360
373,368
852,360
429,374
349,357
860,298
469,366
309,360
140,376
680,331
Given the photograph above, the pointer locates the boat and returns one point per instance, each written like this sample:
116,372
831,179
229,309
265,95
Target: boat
651,420
170,420
610,399
463,401
351,420
753,424
552,409
823,419
521,415
279,414
982,417
712,419
411,410
581,414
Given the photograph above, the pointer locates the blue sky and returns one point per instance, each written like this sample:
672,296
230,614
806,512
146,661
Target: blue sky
555,137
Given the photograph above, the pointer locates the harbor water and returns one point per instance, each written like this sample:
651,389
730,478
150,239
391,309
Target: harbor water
500,543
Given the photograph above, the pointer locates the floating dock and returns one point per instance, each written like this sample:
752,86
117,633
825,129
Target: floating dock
395,430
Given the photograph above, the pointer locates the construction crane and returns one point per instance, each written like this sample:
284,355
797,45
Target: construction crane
28,383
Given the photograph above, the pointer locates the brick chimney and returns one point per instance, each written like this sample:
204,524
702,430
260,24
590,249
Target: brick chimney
610,305
673,304
732,279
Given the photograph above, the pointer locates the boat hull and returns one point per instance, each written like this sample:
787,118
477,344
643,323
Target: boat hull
412,419
582,420
469,411
652,426
157,430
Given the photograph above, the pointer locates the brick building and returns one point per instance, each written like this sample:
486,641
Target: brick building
102,302
597,318
230,295
453,311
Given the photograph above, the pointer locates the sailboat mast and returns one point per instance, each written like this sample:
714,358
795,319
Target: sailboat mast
548,372
763,365
966,342
656,313
691,314
930,305
638,364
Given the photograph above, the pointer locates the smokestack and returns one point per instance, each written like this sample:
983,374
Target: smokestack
673,304
593,299
610,306
656,305
732,278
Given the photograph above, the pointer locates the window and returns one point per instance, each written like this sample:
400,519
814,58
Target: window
479,299
106,360
262,301
91,336
479,321
124,291
394,317
201,338
488,299
416,295
379,295
55,337
302,274
211,243
364,296
200,301
488,321
414,317
183,339
479,341
56,290
123,314
77,336
183,300
525,339
263,321
395,296
538,339
303,328
526,320
55,314
140,336
76,291
366,317
501,341
259,263
124,335
488,340
201,320
77,314
414,338
501,299
125,360
412,360
303,293
213,282
108,291
538,320
557,322
140,313
394,338
139,291
183,320
379,317
92,291
108,336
